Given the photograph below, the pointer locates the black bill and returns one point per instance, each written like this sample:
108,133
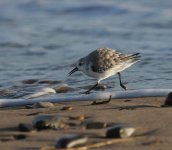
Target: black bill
74,70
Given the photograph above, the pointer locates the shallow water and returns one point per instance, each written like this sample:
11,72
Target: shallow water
40,39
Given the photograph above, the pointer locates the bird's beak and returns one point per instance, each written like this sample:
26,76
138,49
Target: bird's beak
74,70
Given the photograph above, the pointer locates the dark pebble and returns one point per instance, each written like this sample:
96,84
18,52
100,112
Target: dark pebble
69,141
120,131
25,127
168,101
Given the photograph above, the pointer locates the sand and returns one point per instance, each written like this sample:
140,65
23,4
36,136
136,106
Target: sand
153,124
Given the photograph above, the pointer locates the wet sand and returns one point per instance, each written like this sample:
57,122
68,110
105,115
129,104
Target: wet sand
151,120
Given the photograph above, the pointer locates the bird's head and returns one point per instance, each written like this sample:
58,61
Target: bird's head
79,66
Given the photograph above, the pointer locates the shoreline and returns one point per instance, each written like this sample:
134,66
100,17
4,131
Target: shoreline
37,96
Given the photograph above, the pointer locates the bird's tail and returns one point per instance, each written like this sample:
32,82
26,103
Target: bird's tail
132,58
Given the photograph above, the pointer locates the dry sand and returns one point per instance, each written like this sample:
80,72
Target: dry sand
153,124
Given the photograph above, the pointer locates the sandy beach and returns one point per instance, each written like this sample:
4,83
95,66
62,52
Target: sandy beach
42,44
151,120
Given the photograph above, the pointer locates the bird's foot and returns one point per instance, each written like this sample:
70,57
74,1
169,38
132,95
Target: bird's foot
87,92
123,86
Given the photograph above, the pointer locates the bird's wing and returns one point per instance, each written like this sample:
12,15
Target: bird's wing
104,59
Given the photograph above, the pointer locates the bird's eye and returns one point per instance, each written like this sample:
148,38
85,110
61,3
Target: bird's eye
81,63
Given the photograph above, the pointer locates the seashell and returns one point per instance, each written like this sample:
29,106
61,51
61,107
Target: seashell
48,122
43,105
71,140
120,131
43,91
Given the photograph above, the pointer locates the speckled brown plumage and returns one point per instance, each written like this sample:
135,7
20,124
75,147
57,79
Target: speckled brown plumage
106,58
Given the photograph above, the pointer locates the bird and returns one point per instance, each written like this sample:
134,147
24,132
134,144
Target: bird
103,63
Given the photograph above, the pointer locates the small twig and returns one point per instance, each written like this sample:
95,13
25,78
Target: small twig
102,102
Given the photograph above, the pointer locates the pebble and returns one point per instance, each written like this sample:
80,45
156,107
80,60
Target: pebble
63,89
25,127
71,140
168,101
48,122
43,105
120,131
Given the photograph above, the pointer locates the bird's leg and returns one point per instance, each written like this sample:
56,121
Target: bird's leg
87,92
121,84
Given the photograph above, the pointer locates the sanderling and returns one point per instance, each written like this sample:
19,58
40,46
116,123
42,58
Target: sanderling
103,63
